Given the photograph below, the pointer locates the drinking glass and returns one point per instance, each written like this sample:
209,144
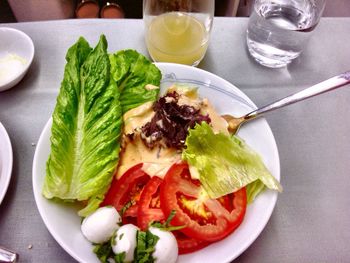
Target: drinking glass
278,30
178,31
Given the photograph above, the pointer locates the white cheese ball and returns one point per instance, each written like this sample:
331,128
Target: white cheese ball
166,249
125,241
99,226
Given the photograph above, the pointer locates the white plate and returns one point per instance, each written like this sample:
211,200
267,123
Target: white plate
64,224
6,160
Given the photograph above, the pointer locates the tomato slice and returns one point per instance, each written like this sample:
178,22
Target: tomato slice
204,218
149,204
149,211
188,244
126,189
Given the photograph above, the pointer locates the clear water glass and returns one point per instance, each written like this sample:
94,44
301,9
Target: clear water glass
178,31
278,30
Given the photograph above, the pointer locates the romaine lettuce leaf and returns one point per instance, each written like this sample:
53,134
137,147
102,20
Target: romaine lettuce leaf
86,127
225,164
132,72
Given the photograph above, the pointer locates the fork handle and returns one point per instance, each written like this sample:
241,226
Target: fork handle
7,256
322,87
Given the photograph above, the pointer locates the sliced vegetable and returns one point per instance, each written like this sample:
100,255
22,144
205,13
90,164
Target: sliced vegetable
204,218
188,244
224,164
149,205
149,211
125,190
86,127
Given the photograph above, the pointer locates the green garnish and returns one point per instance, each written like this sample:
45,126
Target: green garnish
120,257
166,225
146,243
103,252
126,207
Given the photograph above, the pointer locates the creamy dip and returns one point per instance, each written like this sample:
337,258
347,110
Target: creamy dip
158,160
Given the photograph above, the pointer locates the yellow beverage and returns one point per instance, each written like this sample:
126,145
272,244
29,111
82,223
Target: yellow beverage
177,37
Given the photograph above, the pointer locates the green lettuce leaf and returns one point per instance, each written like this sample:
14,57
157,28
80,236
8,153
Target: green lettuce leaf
254,189
86,127
132,72
225,164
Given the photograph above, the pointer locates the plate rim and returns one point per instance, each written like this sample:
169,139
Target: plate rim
9,154
270,207
37,193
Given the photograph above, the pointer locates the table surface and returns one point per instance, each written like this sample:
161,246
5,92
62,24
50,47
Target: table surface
311,220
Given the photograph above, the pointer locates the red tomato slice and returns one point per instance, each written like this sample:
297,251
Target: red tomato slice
149,211
205,219
127,188
188,244
149,204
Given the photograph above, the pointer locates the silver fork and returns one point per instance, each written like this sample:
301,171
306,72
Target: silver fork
324,86
7,256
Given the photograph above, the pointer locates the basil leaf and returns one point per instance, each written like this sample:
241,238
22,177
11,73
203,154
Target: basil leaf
166,225
103,252
146,243
120,257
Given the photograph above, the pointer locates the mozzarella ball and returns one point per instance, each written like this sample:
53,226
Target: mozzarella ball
99,226
166,249
125,241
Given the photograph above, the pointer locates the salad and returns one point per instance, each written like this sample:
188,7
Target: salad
158,174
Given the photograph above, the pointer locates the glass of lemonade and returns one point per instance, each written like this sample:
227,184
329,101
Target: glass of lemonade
178,31
279,29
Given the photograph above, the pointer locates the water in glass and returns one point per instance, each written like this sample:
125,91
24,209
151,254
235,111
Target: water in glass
277,31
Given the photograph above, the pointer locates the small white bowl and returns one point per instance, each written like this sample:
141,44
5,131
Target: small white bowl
16,55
